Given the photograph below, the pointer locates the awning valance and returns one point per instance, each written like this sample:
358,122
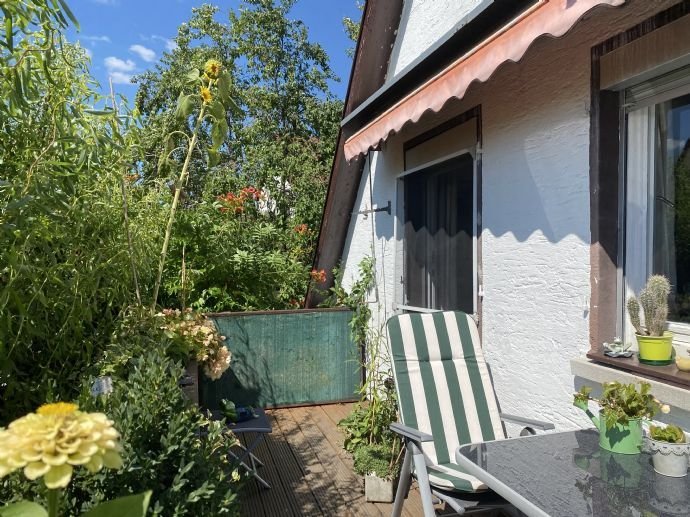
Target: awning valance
547,17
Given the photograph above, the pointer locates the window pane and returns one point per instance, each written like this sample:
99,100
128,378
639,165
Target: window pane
438,236
671,249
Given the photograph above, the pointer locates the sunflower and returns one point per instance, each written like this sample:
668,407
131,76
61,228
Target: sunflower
212,68
206,95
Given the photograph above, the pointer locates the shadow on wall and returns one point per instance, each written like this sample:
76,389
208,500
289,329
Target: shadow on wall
536,124
535,170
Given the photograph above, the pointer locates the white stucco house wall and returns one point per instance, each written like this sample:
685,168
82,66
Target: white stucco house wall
547,289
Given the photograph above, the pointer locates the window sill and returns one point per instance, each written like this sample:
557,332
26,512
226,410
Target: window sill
667,374
668,384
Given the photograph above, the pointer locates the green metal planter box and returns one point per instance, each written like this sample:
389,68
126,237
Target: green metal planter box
285,358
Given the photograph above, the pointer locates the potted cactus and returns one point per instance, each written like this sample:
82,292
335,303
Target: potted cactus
653,340
670,449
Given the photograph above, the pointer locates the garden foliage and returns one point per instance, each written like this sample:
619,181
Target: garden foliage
374,447
244,235
169,447
248,224
85,194
64,264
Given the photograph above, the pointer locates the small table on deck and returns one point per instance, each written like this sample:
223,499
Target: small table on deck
261,427
567,474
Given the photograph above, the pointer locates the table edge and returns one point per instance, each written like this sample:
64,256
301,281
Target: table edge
510,495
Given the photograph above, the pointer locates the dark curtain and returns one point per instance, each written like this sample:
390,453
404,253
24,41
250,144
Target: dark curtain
438,236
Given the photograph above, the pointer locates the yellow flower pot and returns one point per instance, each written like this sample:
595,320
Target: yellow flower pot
655,348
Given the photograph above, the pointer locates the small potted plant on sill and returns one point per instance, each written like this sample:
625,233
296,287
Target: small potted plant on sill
622,408
670,449
653,340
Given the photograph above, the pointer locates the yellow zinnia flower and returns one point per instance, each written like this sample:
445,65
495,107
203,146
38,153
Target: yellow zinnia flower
55,439
206,95
212,68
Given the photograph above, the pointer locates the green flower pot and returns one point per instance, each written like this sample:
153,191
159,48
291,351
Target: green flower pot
621,438
655,348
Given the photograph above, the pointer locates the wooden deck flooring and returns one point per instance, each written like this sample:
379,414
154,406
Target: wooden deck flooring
309,471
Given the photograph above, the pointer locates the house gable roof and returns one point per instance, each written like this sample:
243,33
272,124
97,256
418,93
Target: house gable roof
380,20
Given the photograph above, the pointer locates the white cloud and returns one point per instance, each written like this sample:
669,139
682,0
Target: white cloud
96,39
143,52
170,44
89,53
115,64
118,69
106,2
121,78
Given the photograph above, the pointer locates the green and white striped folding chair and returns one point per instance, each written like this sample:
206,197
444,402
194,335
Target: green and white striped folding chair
446,399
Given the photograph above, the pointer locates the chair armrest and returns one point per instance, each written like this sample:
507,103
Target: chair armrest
537,424
411,433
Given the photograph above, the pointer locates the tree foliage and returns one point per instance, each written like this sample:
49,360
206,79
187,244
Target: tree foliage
282,126
352,28
68,171
65,265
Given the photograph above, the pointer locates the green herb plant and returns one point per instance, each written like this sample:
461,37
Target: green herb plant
670,433
619,403
376,460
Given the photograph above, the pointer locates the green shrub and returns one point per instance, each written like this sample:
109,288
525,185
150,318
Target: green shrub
234,261
379,460
66,271
169,447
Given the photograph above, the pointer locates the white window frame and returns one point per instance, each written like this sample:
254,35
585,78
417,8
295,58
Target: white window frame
637,182
400,221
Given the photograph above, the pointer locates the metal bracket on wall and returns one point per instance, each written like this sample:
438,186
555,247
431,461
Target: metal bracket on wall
386,209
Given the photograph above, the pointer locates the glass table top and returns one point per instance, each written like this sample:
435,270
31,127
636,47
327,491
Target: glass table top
567,474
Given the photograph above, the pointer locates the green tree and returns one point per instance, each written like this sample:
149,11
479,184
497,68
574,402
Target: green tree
282,126
352,27
287,138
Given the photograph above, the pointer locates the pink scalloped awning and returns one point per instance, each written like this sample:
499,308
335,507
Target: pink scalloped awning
548,17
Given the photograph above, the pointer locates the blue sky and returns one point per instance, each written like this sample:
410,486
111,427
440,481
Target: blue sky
125,37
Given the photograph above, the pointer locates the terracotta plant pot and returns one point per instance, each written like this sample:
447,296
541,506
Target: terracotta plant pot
655,348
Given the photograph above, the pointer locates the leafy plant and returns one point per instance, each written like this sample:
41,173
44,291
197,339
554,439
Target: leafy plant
620,403
670,433
654,303
376,460
169,447
282,126
211,97
66,271
368,425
